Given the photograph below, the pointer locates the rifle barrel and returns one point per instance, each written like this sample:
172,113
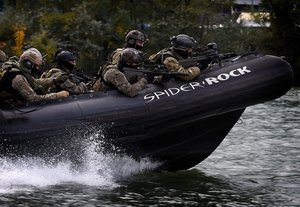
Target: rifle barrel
154,71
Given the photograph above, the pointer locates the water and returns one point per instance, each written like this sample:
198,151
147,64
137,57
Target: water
258,164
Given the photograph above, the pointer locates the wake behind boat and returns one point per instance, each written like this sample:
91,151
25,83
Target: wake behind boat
178,123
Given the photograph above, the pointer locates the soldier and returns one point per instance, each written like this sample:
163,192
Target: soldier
114,74
65,64
181,48
18,84
3,57
133,39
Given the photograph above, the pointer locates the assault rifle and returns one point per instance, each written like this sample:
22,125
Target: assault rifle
82,76
205,59
154,70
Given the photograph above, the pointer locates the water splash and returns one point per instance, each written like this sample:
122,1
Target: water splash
98,168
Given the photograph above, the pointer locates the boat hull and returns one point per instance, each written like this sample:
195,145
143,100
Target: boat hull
178,123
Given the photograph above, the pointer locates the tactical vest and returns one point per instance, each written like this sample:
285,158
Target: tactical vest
7,93
57,72
110,61
6,89
6,81
163,54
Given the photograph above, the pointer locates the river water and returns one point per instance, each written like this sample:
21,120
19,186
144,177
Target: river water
258,164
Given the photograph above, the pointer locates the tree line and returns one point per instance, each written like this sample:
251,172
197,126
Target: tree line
95,28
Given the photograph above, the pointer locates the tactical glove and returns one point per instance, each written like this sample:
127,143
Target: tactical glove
60,79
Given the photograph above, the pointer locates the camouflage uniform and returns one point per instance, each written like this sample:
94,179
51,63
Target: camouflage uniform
115,56
96,85
169,58
112,61
3,58
133,39
116,78
18,86
71,84
114,75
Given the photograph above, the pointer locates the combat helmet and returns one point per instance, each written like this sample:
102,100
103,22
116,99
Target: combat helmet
135,39
183,42
131,56
66,59
31,58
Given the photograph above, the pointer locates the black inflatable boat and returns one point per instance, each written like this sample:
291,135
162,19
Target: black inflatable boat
178,124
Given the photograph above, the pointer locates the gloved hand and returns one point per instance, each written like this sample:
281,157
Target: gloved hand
95,85
13,62
60,79
62,94
149,77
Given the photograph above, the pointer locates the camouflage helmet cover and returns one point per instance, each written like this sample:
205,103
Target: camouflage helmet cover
131,56
135,35
33,55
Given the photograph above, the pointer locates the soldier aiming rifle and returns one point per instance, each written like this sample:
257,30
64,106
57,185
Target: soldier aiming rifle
205,59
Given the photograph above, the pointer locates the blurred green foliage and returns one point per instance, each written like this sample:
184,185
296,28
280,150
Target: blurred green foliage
95,28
